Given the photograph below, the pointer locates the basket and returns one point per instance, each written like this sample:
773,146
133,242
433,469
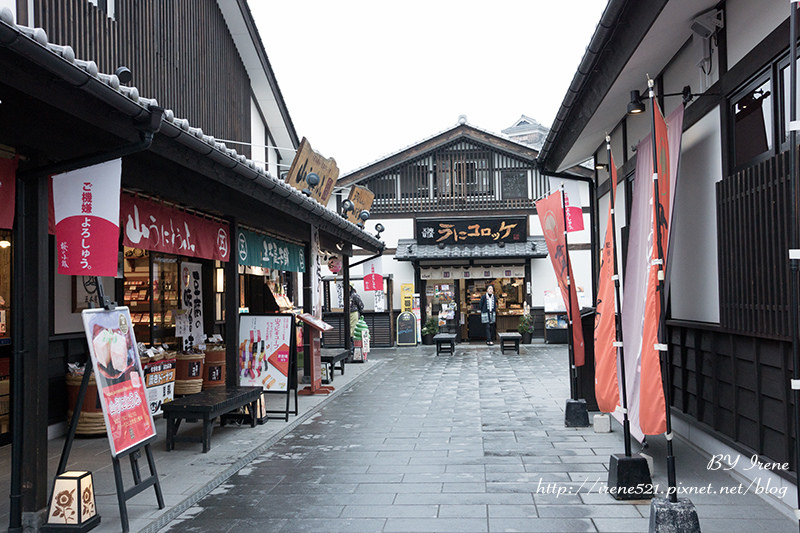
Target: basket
90,421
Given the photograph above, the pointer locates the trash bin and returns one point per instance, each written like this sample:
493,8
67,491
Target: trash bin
585,381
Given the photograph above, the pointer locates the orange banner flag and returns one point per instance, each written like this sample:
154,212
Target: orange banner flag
551,215
652,407
606,384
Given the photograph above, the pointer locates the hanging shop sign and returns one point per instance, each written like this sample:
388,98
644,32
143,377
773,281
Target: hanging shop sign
259,250
307,162
152,226
373,275
86,209
362,199
192,303
119,377
8,184
471,230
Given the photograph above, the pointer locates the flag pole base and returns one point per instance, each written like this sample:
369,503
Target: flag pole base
673,517
629,477
576,414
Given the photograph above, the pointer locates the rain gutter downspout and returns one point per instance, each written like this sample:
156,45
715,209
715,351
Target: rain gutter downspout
146,138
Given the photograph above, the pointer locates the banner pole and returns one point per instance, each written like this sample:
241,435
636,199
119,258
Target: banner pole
626,423
794,254
573,370
664,357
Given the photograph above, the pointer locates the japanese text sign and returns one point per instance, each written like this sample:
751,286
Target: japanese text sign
120,381
192,302
86,204
260,250
307,161
362,199
153,226
472,230
373,275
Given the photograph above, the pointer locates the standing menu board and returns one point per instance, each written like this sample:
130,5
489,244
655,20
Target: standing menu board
265,343
118,373
406,329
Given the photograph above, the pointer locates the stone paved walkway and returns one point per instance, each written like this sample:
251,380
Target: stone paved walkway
473,442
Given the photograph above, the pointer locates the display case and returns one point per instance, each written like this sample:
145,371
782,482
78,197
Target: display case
150,290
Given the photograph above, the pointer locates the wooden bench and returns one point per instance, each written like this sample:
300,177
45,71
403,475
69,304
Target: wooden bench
331,359
507,338
207,406
445,343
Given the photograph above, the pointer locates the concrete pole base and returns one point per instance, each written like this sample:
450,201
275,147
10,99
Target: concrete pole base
629,477
678,517
576,415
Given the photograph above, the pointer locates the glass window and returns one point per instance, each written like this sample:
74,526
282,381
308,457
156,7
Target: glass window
786,79
752,122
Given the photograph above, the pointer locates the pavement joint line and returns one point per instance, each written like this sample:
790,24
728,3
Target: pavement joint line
177,510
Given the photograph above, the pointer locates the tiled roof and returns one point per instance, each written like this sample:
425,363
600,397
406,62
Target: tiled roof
409,250
33,45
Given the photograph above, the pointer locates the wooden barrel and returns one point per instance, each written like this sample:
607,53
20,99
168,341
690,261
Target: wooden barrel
189,373
90,420
214,368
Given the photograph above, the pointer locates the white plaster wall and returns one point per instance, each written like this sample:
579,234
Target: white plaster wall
620,215
748,22
693,267
258,136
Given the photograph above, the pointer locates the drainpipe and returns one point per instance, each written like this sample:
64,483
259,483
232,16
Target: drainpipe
149,128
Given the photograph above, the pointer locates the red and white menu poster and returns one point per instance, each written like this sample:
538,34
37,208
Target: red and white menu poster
120,381
264,351
86,204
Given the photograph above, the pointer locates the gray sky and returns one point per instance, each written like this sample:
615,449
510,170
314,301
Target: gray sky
363,79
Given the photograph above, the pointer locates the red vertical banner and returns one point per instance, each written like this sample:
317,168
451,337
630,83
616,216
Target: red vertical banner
551,216
606,384
86,203
8,187
652,408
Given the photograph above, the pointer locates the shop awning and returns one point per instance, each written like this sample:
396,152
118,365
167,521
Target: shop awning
410,250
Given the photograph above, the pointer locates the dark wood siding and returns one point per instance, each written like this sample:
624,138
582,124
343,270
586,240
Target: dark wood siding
179,51
459,176
736,386
753,208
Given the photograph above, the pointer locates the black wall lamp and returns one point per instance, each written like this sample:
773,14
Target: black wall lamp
364,216
636,105
347,206
312,179
378,230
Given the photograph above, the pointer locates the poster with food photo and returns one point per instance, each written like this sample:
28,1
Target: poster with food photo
264,350
119,377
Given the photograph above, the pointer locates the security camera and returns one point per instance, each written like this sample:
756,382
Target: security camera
708,23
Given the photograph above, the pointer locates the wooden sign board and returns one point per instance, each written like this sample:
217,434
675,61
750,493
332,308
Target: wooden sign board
362,200
307,161
315,322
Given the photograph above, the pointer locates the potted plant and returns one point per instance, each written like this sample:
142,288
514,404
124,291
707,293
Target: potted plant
525,327
430,329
